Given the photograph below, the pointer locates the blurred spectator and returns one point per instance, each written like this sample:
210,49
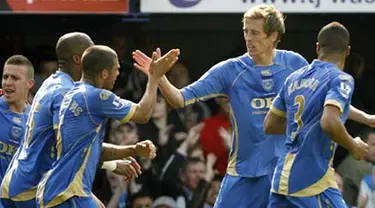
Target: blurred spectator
213,191
143,199
162,131
217,130
366,198
353,170
164,202
340,184
47,66
131,83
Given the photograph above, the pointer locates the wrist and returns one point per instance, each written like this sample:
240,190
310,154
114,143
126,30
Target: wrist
109,165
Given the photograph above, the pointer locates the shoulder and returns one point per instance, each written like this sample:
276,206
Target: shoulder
291,59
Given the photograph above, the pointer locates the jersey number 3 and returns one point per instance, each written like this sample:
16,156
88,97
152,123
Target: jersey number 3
300,101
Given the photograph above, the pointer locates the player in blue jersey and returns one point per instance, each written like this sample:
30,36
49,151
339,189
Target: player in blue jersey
311,109
250,81
38,152
83,114
17,80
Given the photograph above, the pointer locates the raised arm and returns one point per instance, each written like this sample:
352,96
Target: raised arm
213,83
361,117
157,69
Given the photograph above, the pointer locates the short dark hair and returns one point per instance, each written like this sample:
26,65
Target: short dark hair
96,58
20,60
144,192
74,43
334,38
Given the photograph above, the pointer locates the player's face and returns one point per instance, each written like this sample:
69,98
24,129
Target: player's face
194,172
257,41
15,82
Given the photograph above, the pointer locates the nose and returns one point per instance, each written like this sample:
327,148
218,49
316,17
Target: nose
7,81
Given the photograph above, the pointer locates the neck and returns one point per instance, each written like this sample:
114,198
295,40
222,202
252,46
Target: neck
337,59
264,59
67,69
91,81
18,106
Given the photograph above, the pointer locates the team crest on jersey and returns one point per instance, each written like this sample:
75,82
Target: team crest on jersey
105,94
266,73
16,133
345,90
267,84
17,120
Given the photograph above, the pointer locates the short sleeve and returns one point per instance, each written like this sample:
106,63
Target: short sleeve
278,105
340,91
213,83
296,61
106,104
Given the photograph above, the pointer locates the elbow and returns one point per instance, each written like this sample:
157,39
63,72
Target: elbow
326,123
177,105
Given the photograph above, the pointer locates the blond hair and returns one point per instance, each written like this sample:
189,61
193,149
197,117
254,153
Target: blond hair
273,19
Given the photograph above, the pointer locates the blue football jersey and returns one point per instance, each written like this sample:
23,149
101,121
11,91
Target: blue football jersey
38,151
83,115
11,134
250,89
305,168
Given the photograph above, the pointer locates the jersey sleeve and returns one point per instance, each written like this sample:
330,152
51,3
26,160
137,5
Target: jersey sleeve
213,83
107,104
55,107
340,91
278,106
296,61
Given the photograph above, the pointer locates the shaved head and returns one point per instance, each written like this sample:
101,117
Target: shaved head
71,44
69,50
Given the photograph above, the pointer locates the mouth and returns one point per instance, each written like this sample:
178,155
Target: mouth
8,92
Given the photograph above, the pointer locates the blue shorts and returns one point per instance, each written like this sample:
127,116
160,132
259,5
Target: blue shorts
78,202
7,203
238,191
330,198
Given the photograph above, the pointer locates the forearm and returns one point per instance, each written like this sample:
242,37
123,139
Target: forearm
171,93
337,132
116,152
357,115
146,106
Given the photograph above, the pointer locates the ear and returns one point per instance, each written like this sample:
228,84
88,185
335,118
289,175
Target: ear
274,36
30,83
317,49
76,59
348,51
105,74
